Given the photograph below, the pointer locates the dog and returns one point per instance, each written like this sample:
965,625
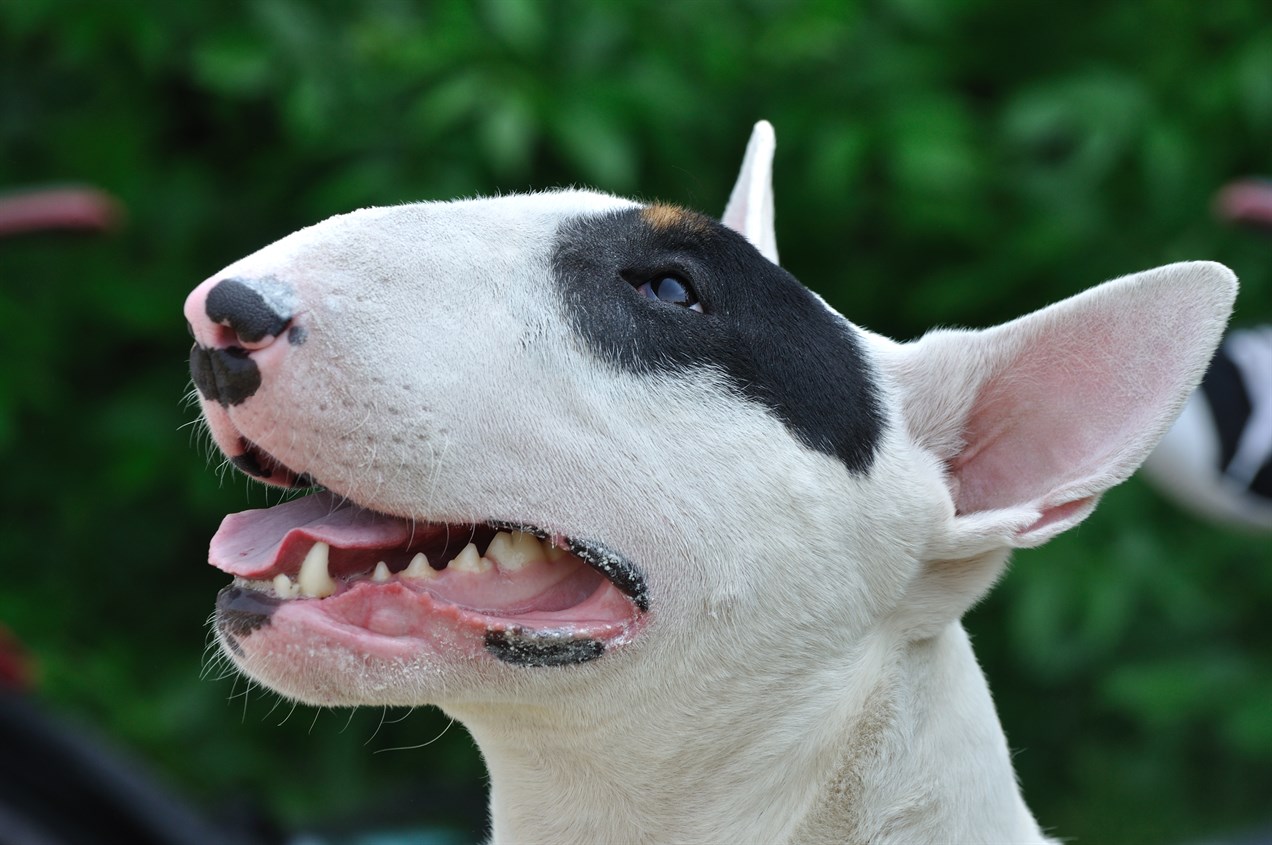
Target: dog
684,549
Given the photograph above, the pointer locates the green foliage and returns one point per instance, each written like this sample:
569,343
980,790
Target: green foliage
939,162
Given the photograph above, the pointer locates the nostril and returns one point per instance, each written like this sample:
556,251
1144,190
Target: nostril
253,314
228,338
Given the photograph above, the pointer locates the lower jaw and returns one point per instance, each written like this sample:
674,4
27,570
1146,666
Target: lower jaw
390,623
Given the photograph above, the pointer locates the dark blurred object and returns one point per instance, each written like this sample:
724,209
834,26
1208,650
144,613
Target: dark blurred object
70,208
61,786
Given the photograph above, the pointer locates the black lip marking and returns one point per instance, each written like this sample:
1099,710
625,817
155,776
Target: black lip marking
541,648
500,525
775,343
240,306
297,335
620,571
247,463
258,463
226,376
239,612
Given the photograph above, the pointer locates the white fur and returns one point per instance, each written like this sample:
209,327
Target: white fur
803,676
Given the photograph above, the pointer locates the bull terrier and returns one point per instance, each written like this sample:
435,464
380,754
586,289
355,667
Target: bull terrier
683,548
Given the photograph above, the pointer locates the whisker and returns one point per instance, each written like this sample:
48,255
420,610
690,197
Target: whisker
421,745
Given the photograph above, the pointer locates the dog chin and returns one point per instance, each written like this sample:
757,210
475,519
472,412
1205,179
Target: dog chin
325,671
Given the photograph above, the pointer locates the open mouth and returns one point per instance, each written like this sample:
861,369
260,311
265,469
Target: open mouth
517,592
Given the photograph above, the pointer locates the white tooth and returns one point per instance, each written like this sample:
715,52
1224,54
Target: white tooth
419,568
515,551
469,561
313,578
499,545
528,545
284,588
381,573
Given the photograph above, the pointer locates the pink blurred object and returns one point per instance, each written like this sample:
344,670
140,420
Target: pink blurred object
69,208
1246,201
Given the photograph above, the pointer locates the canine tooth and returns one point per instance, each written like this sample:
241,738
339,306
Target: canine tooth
514,551
381,573
419,568
314,580
470,561
284,587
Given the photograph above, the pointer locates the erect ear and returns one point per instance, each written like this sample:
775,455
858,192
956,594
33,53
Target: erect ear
750,208
1036,418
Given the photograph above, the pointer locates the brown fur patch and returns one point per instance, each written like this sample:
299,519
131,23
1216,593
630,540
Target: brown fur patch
672,216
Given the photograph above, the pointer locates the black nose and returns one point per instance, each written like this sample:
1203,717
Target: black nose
244,320
241,307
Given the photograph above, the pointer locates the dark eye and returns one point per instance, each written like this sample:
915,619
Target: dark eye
671,290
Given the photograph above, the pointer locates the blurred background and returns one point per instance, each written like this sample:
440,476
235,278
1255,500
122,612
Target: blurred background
939,162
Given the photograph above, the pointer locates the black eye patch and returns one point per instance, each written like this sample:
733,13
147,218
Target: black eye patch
776,343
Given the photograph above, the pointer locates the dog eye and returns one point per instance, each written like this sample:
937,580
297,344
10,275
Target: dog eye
671,290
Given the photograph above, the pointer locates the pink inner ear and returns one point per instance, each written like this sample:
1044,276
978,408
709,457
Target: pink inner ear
1082,399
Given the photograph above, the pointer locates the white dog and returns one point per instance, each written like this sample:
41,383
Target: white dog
683,548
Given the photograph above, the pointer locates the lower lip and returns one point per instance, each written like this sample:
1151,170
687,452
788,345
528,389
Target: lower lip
391,621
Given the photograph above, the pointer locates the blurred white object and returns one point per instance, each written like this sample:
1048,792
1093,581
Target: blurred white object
1217,459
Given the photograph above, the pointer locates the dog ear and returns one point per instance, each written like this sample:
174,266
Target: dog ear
1036,418
750,208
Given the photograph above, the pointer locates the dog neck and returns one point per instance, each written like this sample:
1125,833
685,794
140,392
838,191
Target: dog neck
926,761
904,746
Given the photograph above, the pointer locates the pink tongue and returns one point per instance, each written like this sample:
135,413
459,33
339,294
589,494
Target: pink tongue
249,543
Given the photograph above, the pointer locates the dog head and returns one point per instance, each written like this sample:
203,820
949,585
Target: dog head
575,448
